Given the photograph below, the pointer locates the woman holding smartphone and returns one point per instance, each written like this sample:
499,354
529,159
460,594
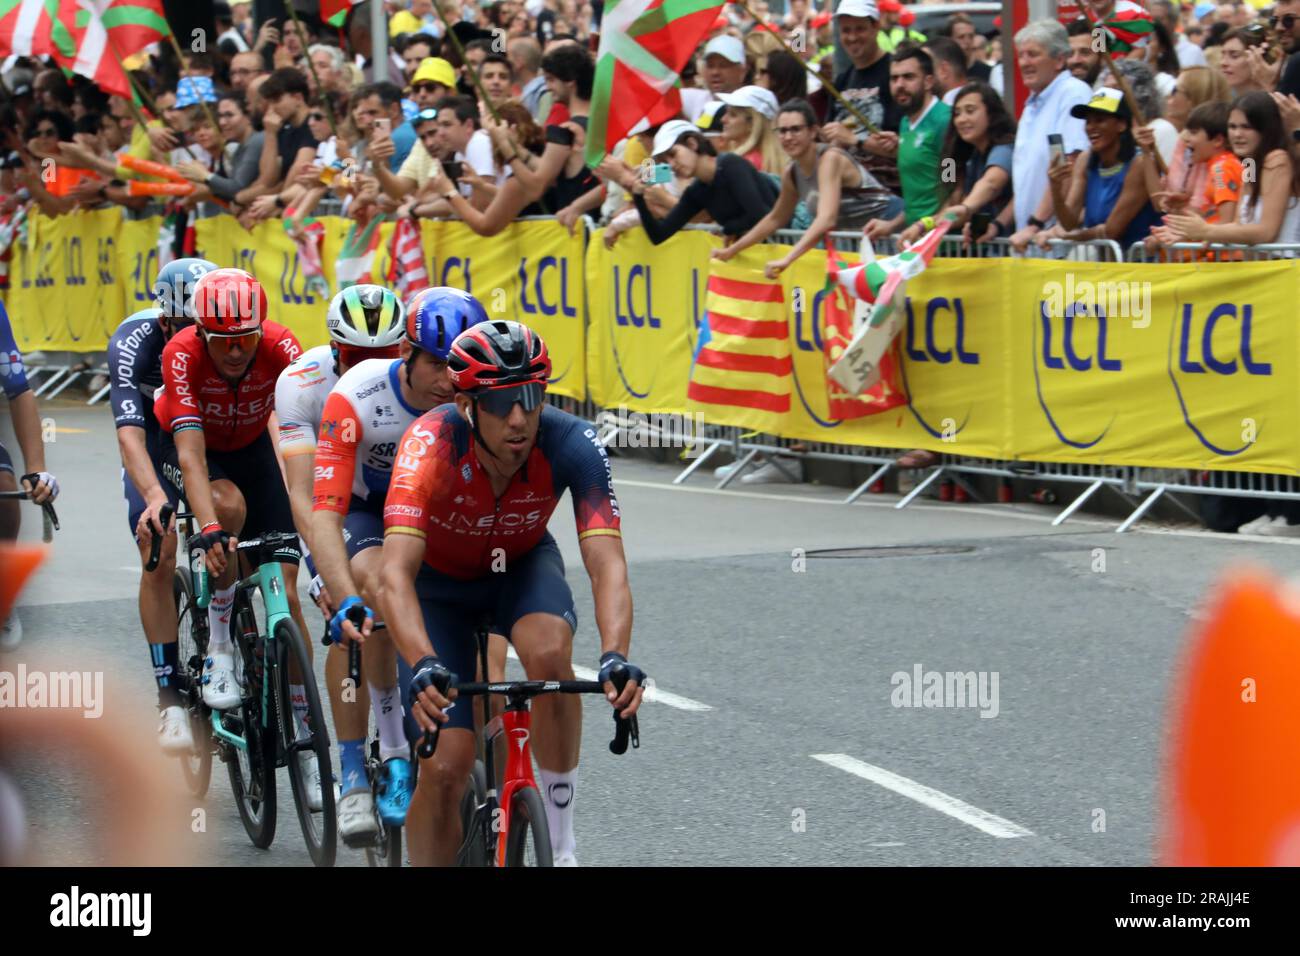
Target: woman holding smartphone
978,148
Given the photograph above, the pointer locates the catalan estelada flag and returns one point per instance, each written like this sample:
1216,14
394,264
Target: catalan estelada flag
742,370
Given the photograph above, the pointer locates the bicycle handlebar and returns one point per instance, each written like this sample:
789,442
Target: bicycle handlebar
625,728
155,546
51,516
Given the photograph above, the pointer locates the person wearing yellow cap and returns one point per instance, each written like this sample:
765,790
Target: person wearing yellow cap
434,79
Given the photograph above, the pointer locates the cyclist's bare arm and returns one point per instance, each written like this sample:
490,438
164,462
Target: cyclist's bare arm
27,429
298,471
329,552
403,555
607,567
139,468
191,452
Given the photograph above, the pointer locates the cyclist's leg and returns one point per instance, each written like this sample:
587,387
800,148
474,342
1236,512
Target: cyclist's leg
450,609
351,716
536,610
10,515
365,548
157,603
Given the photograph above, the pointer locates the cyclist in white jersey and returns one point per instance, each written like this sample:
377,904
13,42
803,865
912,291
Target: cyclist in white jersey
364,322
363,422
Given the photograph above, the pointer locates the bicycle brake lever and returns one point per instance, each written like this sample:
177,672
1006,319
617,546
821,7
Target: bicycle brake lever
428,744
155,545
625,728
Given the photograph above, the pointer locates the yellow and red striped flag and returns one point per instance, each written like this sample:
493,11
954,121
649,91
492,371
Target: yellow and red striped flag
742,370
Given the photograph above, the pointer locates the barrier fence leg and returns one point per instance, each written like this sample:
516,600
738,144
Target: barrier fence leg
970,490
1174,500
714,445
861,489
59,372
75,376
934,476
100,394
1141,510
1077,503
741,465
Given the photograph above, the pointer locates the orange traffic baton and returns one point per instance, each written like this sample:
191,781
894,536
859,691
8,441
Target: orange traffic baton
147,167
136,187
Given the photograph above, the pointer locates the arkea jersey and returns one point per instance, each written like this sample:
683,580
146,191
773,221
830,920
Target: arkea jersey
135,369
231,414
13,377
300,398
363,423
441,493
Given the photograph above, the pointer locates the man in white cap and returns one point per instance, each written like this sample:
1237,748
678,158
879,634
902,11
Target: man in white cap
725,68
865,84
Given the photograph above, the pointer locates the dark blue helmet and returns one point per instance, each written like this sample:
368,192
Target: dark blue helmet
434,317
173,290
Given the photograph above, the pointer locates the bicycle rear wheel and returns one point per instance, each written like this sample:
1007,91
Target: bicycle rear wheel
319,827
252,767
528,842
192,648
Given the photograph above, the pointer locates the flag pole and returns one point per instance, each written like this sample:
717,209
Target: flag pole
830,88
320,90
1122,82
460,50
180,61
149,102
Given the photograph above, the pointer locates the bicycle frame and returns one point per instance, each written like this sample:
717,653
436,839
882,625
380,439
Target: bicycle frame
516,724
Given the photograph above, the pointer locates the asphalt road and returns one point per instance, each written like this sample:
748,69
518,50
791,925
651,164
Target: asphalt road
781,742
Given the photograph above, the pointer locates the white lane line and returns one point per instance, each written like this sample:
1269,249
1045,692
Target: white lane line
990,823
653,694
882,845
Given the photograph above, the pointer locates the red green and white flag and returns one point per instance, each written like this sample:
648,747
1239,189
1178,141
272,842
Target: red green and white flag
643,46
334,12
28,27
106,33
1128,27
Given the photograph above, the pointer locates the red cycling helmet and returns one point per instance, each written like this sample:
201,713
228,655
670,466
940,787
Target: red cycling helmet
229,302
497,355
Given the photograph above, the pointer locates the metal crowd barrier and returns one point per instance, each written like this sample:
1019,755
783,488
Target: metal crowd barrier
1200,252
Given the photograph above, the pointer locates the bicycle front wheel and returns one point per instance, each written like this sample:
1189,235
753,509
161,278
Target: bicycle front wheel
528,843
319,827
192,648
251,767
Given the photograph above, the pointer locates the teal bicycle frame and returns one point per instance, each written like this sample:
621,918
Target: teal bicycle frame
270,582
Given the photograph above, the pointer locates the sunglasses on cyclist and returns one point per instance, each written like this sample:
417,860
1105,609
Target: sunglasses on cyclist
501,401
244,341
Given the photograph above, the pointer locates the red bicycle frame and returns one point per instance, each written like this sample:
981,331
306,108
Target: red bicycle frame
517,726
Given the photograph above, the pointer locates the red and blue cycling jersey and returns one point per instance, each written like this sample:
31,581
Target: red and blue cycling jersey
232,415
440,492
13,377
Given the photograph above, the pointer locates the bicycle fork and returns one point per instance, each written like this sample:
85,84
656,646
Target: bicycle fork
515,723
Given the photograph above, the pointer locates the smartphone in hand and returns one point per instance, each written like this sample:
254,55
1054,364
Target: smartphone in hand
384,126
1056,147
454,169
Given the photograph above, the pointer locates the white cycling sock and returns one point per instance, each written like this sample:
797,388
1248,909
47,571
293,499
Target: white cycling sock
219,621
387,706
557,794
298,695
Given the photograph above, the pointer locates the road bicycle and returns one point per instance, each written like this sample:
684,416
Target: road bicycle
504,824
384,848
263,733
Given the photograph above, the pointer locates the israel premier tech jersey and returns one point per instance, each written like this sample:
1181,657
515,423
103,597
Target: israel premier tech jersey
441,493
362,423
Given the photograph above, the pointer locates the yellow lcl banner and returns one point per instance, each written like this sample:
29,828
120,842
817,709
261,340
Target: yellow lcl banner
1185,366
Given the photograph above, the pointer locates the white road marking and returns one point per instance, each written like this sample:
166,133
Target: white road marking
990,823
654,694
888,844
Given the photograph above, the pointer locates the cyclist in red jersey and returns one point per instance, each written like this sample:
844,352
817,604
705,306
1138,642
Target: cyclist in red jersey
473,487
215,408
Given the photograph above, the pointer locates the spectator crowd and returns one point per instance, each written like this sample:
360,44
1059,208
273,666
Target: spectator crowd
487,122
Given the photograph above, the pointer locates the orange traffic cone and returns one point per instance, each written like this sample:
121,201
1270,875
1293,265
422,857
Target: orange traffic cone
17,562
1233,787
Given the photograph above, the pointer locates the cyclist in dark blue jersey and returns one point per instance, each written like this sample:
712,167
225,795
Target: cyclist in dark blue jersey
42,485
135,375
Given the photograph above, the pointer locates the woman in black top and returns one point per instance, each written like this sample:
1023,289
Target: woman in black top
727,187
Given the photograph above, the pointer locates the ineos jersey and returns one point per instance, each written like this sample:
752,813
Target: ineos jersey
13,377
232,415
441,493
363,422
300,398
135,369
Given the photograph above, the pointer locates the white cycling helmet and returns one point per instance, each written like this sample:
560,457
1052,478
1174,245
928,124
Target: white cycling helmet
367,317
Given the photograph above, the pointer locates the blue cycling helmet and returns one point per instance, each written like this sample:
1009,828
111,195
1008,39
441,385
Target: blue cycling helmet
173,290
434,317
